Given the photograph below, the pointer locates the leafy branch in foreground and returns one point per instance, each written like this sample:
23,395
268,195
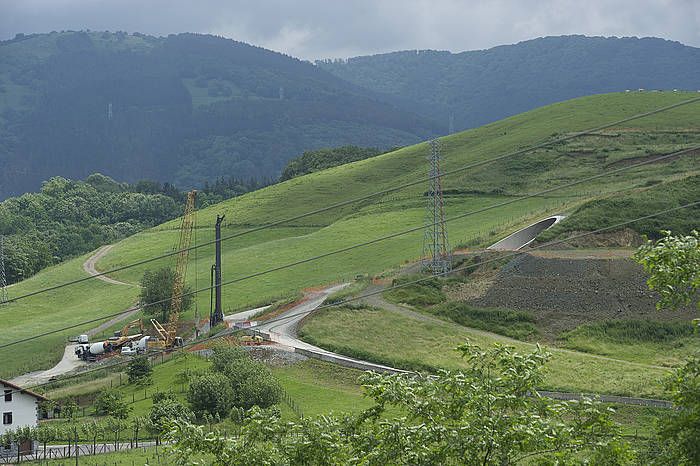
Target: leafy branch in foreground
673,263
487,414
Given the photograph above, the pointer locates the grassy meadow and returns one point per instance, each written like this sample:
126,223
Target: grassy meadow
466,191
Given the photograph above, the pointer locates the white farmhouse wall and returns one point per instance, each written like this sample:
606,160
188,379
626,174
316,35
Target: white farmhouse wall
23,408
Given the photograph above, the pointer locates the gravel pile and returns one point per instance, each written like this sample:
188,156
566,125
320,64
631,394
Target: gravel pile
563,293
275,357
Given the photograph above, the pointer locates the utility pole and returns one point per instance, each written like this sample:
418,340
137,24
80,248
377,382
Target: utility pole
437,258
3,277
218,314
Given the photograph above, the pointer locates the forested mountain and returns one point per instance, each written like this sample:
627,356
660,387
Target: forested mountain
184,108
479,87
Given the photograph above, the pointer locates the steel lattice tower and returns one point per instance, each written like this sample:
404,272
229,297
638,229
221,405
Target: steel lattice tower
436,249
3,278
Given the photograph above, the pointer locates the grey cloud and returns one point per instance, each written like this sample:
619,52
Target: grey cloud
334,28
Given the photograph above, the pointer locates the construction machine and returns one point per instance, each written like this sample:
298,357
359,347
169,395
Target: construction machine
91,352
251,340
168,331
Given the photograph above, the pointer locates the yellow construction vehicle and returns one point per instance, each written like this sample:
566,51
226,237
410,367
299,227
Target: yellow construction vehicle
250,340
124,337
168,332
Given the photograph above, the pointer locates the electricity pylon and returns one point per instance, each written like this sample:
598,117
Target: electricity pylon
437,258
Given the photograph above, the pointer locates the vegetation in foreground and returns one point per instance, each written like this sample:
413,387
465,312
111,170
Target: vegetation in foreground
484,412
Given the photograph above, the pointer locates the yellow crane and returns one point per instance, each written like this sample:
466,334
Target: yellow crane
168,332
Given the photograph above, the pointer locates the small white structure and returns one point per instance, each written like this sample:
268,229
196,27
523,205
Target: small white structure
521,238
19,407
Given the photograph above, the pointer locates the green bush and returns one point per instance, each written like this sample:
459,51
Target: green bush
168,409
515,324
210,394
251,382
110,403
631,331
139,370
425,293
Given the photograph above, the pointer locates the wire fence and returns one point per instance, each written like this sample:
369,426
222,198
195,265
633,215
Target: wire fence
74,452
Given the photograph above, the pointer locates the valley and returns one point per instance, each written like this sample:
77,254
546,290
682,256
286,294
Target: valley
584,302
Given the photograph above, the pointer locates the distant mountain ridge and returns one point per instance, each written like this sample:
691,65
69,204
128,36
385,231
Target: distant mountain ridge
478,87
190,108
184,108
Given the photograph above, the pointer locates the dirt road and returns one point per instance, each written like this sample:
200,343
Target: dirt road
70,361
89,266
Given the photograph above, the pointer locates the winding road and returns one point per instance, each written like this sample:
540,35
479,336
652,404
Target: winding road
285,326
69,362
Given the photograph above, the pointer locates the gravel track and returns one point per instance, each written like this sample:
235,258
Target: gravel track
69,362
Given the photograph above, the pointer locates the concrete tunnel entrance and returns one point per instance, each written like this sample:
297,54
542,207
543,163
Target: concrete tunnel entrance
527,235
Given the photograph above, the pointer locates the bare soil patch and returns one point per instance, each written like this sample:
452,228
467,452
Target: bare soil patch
563,293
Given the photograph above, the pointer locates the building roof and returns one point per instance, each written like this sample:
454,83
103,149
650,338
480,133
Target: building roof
23,390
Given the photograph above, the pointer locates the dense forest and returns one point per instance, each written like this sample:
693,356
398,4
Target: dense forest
478,87
184,108
68,218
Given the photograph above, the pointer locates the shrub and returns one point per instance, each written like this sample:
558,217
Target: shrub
167,410
210,394
110,403
251,382
515,324
425,293
223,355
139,370
632,331
261,390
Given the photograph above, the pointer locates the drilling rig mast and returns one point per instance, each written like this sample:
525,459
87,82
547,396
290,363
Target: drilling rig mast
168,332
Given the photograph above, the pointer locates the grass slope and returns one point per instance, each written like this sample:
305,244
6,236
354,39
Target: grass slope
467,191
403,341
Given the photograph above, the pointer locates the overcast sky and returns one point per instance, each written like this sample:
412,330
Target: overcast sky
313,29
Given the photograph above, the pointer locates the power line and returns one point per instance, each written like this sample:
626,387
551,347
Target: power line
365,243
393,287
366,197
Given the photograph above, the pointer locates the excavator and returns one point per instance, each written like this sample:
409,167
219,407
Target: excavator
168,331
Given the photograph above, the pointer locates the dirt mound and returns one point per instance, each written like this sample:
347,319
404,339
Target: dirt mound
624,238
563,293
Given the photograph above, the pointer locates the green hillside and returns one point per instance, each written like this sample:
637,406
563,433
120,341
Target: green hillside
467,191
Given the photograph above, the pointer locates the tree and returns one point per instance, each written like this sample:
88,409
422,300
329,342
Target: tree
489,413
252,382
139,370
110,403
673,263
211,394
157,290
166,410
678,436
69,408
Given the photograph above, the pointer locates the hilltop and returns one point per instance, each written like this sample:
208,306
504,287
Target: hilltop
482,86
466,191
184,109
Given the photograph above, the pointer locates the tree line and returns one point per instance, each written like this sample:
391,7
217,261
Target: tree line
67,218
